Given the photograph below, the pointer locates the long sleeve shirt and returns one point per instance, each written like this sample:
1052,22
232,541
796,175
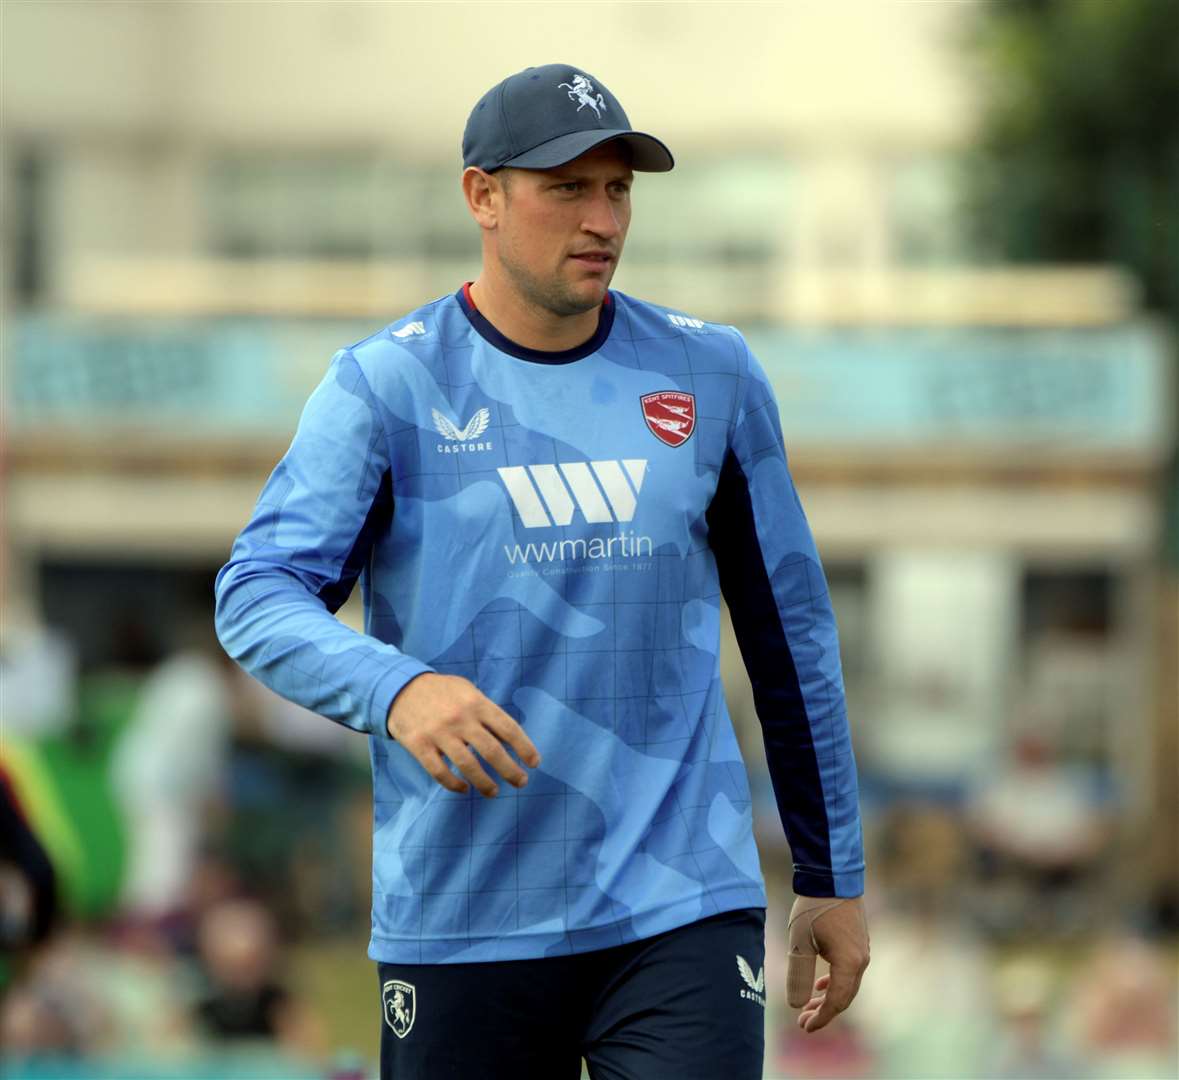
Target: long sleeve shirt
558,528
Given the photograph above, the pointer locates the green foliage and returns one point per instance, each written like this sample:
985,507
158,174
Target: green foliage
1077,156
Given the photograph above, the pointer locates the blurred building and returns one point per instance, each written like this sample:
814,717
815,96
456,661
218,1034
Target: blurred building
203,201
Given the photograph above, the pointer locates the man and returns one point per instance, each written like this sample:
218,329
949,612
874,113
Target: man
543,487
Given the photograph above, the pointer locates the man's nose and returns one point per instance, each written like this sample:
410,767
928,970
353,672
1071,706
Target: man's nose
603,216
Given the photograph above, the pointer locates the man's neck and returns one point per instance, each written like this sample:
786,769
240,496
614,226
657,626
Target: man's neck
528,325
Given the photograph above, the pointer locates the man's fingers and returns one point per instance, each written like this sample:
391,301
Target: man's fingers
432,762
468,765
844,984
492,751
842,987
800,977
507,730
819,1019
816,998
437,716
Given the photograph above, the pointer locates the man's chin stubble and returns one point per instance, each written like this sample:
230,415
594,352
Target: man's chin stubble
577,305
554,299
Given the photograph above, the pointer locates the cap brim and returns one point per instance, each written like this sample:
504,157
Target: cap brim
649,154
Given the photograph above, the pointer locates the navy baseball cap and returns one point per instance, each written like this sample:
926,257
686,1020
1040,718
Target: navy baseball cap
542,117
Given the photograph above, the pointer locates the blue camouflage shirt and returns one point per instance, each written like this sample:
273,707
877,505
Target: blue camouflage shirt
558,528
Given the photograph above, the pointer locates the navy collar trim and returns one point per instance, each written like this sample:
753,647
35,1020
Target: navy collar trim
538,356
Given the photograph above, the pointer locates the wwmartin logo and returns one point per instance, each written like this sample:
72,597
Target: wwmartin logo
546,495
462,438
603,492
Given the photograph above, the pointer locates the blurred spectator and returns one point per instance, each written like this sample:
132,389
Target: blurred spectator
168,764
1026,1049
85,999
35,1024
923,1004
58,1011
28,882
38,670
1123,1009
1040,830
921,854
38,666
304,859
246,997
840,1051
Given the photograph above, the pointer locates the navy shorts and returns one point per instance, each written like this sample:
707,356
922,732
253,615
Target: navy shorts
687,1004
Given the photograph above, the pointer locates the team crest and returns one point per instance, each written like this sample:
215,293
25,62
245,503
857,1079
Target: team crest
581,90
671,415
399,1000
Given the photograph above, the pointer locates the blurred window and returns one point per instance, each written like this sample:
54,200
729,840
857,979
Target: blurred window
850,591
127,613
924,210
733,210
26,183
305,205
848,585
446,228
358,206
1071,682
1078,603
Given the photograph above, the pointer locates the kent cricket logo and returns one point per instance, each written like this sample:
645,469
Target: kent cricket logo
754,988
670,415
460,439
582,90
399,1000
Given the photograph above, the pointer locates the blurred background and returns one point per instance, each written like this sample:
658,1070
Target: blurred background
950,232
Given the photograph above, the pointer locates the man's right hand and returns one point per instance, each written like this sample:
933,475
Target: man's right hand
437,716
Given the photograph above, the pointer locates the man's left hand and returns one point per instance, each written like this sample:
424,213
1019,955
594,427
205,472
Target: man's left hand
837,930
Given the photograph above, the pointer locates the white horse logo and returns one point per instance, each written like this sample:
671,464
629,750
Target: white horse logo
582,90
400,1002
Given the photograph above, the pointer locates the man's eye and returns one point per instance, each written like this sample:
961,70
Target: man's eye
573,185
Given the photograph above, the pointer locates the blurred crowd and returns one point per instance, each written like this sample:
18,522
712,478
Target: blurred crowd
205,855
181,832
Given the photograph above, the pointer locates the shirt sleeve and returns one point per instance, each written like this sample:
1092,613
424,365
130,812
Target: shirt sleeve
297,559
773,582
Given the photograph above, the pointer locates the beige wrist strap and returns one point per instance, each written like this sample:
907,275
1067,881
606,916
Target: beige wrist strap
803,948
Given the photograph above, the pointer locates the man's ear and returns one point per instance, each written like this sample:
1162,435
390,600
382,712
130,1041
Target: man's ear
484,195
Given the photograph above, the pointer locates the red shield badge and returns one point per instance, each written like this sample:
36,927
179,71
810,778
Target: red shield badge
671,415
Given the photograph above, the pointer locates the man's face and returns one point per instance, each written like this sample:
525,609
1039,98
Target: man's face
561,232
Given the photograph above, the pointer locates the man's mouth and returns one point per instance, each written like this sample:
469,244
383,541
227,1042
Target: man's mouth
597,259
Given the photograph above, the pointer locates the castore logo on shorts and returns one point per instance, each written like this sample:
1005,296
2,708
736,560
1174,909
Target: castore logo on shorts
755,985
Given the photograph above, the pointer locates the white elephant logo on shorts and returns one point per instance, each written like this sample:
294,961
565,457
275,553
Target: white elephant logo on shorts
400,1005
